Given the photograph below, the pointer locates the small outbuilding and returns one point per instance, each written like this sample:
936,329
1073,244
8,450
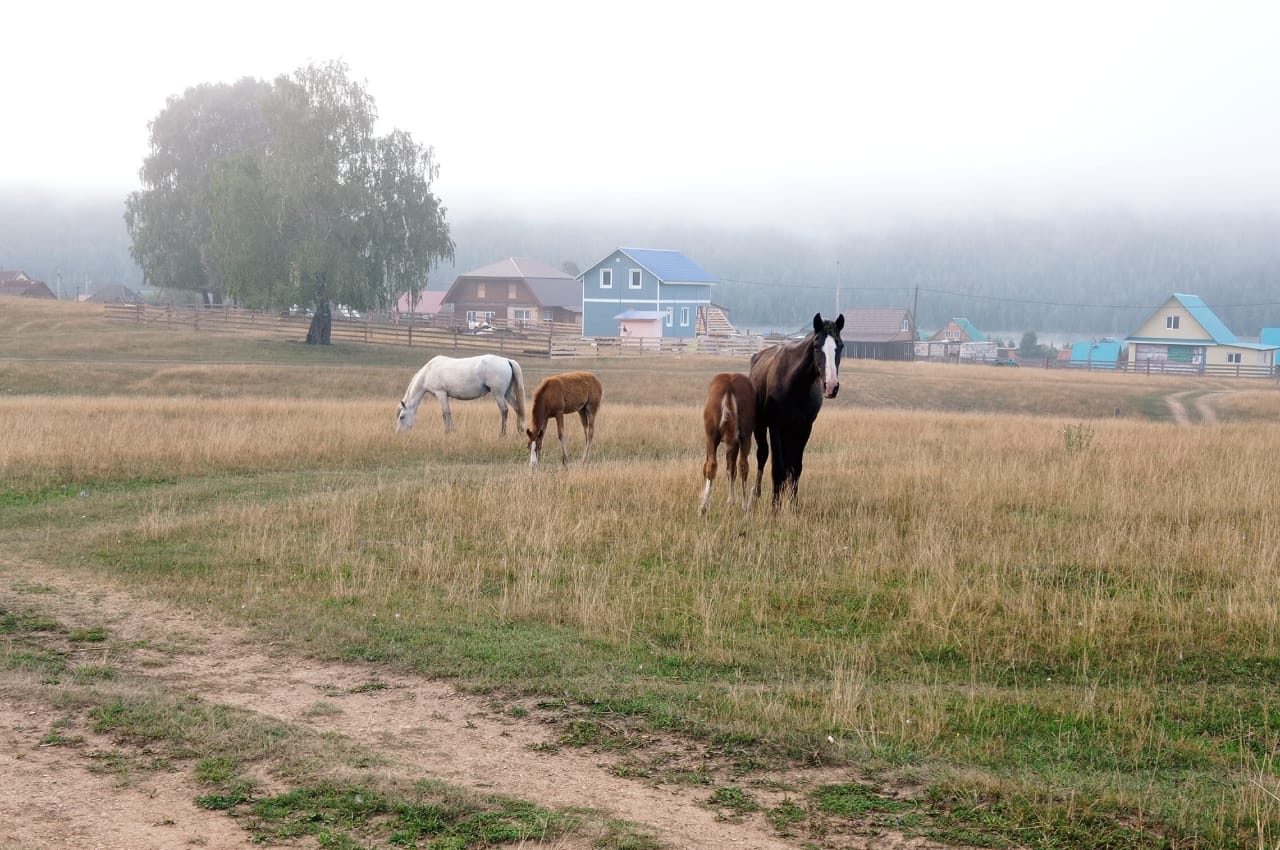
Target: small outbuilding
1096,354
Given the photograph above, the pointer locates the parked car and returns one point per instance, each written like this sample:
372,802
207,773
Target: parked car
1008,361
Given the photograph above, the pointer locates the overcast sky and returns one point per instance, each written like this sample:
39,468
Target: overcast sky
780,112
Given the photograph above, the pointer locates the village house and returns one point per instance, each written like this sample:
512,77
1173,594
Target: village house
517,291
1184,335
644,293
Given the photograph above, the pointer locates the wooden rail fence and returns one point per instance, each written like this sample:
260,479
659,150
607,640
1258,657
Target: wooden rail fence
532,340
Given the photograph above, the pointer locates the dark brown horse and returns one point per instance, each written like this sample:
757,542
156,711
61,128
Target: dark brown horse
571,392
790,382
729,418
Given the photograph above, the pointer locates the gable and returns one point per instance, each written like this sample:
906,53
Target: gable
1184,319
518,267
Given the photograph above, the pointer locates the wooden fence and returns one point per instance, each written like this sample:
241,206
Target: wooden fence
536,339
1164,367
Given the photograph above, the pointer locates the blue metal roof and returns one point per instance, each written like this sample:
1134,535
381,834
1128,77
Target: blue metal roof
1269,336
1208,320
1104,353
669,266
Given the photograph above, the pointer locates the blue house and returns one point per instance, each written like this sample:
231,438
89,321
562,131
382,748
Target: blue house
662,288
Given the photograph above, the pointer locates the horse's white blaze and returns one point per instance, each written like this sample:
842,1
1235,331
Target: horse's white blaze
830,380
533,454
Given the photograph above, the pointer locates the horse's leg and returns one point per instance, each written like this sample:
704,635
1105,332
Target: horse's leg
795,462
762,455
588,429
445,411
732,448
779,468
709,467
744,468
502,408
564,454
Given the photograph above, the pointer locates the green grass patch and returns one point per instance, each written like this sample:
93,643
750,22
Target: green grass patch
351,816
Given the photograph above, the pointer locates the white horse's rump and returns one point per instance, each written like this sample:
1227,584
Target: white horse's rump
465,378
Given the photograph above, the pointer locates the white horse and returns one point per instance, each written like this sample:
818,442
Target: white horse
465,378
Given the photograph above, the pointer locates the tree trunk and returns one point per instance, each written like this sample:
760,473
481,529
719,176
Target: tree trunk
321,326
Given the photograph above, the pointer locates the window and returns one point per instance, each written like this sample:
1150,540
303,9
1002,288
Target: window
1171,323
511,291
480,291
669,316
684,317
606,278
522,314
548,315
637,279
906,325
1233,357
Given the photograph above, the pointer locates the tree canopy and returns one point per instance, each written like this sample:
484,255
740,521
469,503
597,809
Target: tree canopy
280,193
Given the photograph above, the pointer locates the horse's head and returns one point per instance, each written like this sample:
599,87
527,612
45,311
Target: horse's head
405,417
828,348
535,443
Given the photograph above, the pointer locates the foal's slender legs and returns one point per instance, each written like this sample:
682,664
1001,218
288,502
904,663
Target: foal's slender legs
588,428
564,455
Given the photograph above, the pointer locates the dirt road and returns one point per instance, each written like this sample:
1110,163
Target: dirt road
49,798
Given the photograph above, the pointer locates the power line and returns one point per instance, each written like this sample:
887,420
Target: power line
999,298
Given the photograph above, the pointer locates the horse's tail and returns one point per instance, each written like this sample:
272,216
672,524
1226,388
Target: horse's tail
515,393
728,409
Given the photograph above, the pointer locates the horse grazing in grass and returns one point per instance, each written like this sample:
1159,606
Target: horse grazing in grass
571,392
465,378
729,417
790,382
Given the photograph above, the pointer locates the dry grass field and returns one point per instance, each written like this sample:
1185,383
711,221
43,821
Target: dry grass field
1027,602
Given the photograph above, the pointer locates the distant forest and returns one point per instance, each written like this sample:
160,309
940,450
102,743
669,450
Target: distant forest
1070,274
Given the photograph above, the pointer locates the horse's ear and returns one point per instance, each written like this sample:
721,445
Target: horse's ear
817,323
840,322
529,432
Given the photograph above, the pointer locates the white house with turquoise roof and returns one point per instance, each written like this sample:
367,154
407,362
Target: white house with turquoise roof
1184,335
644,288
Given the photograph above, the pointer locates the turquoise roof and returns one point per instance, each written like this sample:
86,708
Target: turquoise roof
1208,320
1104,353
1269,336
968,327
